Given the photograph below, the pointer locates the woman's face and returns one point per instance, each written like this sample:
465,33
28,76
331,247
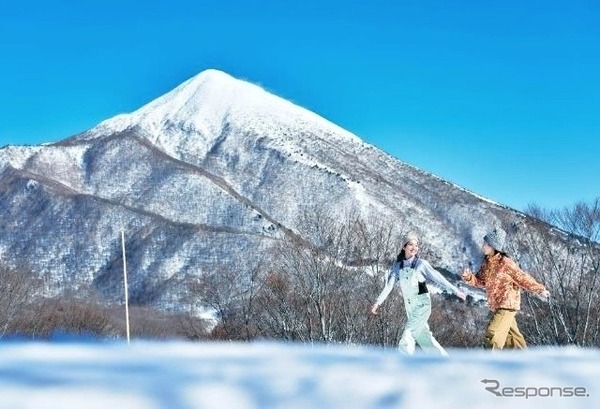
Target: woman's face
411,248
487,249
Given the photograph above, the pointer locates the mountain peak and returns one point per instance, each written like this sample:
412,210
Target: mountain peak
210,75
207,102
204,98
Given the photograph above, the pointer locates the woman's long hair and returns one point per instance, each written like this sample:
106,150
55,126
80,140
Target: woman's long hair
401,255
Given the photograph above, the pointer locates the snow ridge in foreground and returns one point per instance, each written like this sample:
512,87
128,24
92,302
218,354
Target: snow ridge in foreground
180,375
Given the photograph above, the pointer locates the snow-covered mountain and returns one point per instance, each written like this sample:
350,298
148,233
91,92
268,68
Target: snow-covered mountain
209,176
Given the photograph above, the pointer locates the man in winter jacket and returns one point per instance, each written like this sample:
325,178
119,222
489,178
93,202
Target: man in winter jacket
502,280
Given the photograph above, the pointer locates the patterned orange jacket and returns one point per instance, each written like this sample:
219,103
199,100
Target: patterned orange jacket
503,280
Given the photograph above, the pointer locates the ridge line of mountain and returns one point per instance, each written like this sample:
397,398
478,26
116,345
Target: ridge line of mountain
65,190
217,180
223,184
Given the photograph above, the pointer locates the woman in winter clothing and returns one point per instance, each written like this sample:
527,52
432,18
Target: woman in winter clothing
410,272
502,280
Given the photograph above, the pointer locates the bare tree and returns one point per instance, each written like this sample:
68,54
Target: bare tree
70,316
231,295
570,269
192,327
321,292
17,292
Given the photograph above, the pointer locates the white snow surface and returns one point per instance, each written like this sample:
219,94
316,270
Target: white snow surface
16,156
206,102
182,375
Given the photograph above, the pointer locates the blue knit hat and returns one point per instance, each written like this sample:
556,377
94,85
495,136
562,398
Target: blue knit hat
495,238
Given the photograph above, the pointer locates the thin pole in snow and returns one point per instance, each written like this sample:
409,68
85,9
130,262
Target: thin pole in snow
125,281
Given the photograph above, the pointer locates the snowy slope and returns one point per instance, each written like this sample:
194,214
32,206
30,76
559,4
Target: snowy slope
207,177
203,104
265,375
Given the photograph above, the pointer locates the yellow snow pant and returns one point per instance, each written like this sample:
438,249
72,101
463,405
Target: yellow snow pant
503,332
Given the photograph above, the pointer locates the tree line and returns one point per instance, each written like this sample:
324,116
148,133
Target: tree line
321,293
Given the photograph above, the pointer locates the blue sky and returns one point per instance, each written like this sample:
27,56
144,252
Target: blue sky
500,97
